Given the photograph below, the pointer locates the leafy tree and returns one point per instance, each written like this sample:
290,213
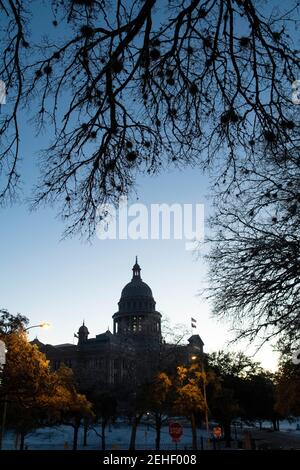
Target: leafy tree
241,389
145,85
288,389
105,407
224,407
258,399
233,364
35,396
72,408
189,397
25,384
138,402
10,323
159,402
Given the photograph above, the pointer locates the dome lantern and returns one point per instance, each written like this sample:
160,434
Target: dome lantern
82,334
136,270
137,314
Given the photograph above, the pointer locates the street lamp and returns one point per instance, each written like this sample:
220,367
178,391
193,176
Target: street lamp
3,352
44,325
195,358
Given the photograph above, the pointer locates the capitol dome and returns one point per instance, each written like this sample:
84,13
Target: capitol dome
136,295
137,313
82,334
83,329
136,289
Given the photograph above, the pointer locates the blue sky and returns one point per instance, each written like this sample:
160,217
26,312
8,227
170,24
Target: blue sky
64,282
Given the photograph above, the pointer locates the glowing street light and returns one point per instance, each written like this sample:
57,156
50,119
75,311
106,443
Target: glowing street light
44,325
194,358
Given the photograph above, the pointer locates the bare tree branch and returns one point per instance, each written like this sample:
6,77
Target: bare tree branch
138,86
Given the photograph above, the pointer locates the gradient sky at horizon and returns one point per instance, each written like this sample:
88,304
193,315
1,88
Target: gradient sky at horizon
66,281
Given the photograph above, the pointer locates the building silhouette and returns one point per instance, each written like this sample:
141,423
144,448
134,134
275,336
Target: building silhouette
132,353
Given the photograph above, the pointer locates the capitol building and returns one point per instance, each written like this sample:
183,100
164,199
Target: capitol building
132,352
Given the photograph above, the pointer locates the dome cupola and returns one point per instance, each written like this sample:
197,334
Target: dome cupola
137,307
136,290
82,334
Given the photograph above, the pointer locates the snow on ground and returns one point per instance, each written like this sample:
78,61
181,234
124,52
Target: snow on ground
118,436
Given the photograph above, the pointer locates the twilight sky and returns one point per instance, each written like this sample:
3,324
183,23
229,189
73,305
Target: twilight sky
64,282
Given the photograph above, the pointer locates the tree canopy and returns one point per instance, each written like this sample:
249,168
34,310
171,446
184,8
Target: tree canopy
10,323
288,389
131,87
255,250
35,395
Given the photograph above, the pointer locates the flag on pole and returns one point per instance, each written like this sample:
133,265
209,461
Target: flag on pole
193,322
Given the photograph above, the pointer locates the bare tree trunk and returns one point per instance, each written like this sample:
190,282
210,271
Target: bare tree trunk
227,434
2,429
85,433
194,432
103,426
75,436
275,422
158,429
135,424
22,441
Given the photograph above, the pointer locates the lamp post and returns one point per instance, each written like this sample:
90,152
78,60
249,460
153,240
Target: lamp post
194,357
3,352
43,325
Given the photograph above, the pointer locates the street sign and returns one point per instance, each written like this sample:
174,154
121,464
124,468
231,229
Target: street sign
217,432
175,431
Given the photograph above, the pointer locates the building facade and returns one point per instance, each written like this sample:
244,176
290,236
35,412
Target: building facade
132,352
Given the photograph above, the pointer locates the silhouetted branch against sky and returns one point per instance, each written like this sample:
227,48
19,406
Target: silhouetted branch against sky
255,250
130,87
